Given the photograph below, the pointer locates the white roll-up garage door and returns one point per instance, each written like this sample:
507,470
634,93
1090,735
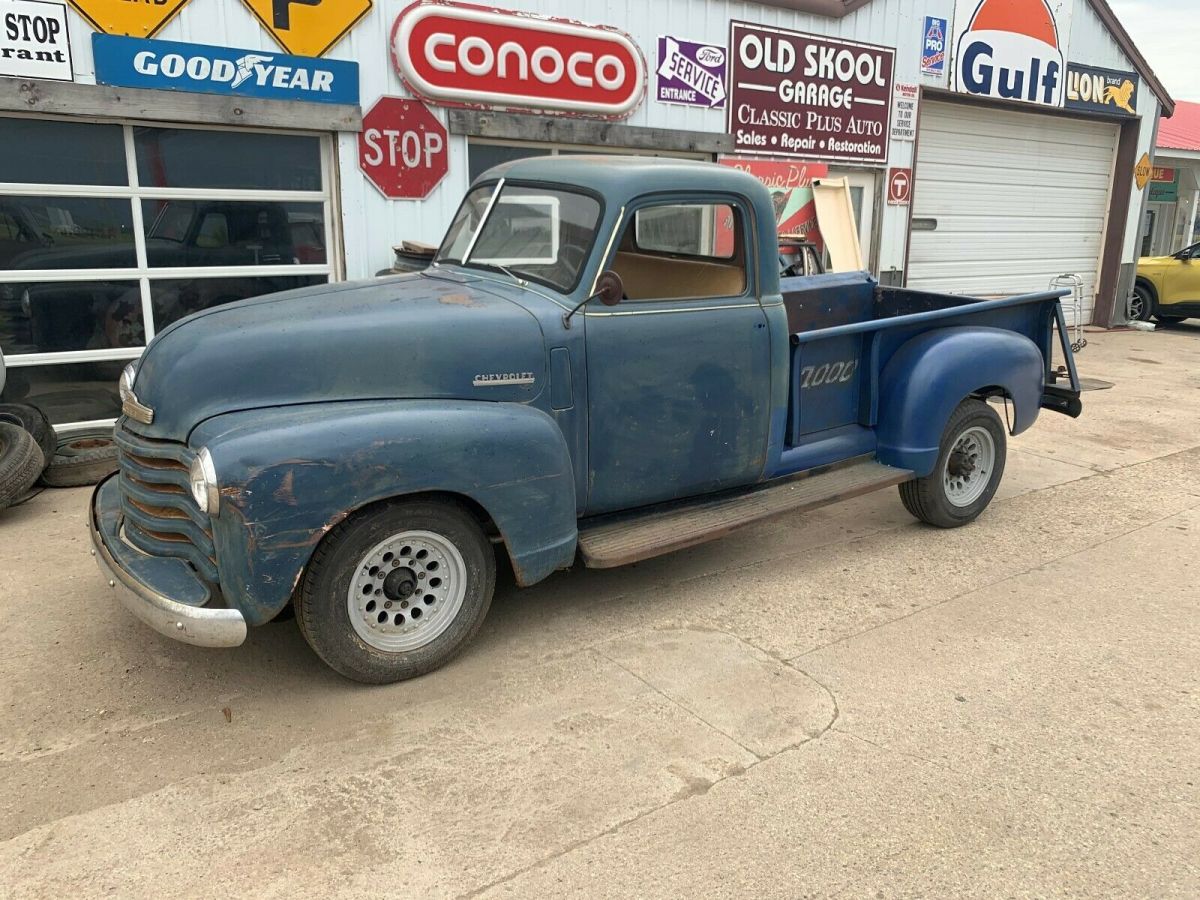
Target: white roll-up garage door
1005,201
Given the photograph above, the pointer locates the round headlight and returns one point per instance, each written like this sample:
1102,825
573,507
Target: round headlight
125,385
203,478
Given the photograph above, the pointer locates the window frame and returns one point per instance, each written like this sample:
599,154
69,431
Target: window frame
741,207
141,273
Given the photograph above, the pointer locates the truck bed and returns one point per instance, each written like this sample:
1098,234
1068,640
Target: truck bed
845,328
816,302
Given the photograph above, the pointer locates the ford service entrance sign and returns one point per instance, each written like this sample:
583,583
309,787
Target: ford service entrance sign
200,68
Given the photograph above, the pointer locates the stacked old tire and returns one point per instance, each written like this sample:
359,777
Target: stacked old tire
31,451
27,440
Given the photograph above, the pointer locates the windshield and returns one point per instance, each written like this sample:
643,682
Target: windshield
543,234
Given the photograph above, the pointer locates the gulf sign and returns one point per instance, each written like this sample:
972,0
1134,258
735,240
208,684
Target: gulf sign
455,54
1012,49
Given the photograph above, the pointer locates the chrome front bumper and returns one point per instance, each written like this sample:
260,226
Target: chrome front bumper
145,585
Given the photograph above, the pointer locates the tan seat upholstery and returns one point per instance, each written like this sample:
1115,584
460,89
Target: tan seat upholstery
649,277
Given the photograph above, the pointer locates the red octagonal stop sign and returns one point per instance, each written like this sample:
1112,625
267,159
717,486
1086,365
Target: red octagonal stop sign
402,148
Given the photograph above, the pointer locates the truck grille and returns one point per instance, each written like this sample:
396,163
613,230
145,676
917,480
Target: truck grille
161,518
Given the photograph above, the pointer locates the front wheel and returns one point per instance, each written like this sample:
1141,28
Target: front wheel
968,471
397,591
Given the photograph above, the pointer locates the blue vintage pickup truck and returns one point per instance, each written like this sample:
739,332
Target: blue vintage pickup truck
602,364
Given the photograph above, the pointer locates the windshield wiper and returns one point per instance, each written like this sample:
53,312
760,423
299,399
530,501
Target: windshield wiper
499,268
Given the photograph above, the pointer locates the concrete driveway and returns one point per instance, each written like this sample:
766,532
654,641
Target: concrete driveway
839,704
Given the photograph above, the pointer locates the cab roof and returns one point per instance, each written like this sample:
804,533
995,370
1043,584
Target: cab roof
620,178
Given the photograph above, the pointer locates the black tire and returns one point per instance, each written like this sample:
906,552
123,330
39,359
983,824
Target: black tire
1142,305
21,462
927,498
322,607
82,459
35,422
1167,320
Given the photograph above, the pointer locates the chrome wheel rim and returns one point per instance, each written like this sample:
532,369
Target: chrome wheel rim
407,591
969,466
1136,306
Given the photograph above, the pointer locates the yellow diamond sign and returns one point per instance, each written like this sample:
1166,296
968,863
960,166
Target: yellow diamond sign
1142,171
122,17
308,27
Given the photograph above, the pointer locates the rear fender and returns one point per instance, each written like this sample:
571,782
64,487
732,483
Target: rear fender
931,374
288,475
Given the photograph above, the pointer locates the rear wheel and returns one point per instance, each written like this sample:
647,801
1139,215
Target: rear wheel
968,471
398,590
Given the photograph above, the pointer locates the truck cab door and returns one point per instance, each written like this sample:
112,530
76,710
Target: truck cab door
679,372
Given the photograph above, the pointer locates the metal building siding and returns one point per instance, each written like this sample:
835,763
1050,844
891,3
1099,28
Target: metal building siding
1017,197
371,224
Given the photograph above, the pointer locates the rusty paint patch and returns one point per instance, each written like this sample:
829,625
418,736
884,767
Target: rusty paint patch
285,492
459,300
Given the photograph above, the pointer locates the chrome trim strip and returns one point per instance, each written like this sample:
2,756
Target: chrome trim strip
483,221
201,626
686,309
136,410
612,239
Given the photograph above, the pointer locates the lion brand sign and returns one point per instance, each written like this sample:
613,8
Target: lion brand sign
455,54
1012,49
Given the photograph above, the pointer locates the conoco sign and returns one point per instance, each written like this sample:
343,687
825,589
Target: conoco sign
455,54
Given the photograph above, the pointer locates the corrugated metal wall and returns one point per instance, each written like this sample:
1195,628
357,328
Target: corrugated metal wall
372,224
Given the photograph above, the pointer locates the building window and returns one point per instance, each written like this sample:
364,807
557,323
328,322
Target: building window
110,232
483,154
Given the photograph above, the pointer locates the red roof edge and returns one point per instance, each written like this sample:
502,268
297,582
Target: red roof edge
1182,131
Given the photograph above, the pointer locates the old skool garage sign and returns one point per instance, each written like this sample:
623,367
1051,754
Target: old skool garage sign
455,54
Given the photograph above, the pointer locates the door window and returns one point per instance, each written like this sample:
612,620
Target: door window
683,251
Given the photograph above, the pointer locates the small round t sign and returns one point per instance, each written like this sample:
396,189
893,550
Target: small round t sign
402,148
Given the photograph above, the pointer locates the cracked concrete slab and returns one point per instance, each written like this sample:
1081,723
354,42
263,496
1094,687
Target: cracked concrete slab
732,687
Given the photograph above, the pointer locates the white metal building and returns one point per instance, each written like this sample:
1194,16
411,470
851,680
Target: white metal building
97,181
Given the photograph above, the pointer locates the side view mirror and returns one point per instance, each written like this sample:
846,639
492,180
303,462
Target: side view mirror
610,290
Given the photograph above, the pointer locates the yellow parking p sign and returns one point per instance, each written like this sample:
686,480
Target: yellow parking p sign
122,17
308,27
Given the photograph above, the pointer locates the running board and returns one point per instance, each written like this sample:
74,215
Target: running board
617,542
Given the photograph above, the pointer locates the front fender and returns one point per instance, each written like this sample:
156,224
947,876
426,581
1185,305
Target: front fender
931,374
288,475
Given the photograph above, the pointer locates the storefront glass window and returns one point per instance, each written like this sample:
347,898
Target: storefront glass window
483,156
74,392
44,151
178,297
192,158
65,233
62,316
93,264
233,233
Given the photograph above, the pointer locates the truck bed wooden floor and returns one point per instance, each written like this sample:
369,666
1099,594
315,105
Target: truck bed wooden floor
618,541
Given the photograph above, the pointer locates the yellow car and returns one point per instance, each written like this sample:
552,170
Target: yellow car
1167,287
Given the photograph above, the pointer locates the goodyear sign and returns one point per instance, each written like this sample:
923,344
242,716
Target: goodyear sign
202,69
1101,90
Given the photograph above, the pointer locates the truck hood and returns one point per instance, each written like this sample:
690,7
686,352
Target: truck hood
415,336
